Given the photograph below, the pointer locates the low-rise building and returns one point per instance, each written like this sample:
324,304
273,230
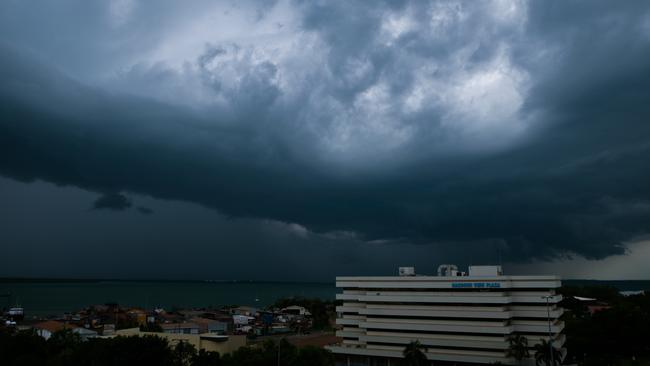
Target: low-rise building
216,326
181,328
47,328
244,310
138,315
108,329
296,310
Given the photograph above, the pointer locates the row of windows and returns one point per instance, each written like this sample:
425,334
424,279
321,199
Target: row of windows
434,318
451,303
450,318
489,335
441,348
448,289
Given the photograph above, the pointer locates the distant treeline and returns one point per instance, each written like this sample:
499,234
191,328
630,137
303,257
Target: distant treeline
620,285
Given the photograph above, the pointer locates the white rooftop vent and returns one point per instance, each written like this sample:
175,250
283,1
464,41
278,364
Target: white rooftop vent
406,271
485,271
448,270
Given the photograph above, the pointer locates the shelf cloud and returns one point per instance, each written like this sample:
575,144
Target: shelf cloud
509,124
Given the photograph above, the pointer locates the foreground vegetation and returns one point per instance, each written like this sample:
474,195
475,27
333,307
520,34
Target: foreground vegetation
619,335
66,348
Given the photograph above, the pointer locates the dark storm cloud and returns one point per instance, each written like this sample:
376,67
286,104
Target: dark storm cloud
112,201
454,124
145,210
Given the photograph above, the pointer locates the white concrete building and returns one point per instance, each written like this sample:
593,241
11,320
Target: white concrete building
460,317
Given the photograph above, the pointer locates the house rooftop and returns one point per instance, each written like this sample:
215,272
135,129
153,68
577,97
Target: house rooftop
52,326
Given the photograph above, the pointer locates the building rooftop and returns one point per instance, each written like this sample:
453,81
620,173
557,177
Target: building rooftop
179,325
448,278
52,326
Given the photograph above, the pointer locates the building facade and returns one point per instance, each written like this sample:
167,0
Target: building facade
461,318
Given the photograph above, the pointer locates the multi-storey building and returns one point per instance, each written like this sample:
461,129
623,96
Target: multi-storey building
461,318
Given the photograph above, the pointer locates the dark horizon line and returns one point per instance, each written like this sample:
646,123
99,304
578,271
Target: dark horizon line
234,281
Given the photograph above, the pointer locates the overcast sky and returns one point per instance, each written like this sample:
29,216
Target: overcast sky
302,140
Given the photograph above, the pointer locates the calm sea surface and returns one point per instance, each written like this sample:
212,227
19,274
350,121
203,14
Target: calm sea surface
56,297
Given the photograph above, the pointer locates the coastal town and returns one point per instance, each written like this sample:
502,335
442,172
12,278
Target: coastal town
222,330
475,317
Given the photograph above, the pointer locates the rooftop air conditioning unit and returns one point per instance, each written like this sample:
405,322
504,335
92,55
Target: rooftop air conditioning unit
486,271
406,271
448,270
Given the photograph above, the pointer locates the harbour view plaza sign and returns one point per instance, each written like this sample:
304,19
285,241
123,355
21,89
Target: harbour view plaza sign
475,285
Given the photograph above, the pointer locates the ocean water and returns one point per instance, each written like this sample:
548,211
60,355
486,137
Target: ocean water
53,297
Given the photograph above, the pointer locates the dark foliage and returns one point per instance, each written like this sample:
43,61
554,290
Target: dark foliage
619,335
288,354
126,323
66,348
547,355
518,347
204,358
414,354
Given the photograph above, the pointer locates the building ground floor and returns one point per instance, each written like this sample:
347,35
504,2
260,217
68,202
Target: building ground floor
362,360
355,360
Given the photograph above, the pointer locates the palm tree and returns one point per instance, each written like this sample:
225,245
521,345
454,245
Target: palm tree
518,348
543,354
414,354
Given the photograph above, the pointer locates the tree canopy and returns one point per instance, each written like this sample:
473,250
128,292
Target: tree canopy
66,348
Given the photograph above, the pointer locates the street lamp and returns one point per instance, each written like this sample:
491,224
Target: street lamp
550,335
